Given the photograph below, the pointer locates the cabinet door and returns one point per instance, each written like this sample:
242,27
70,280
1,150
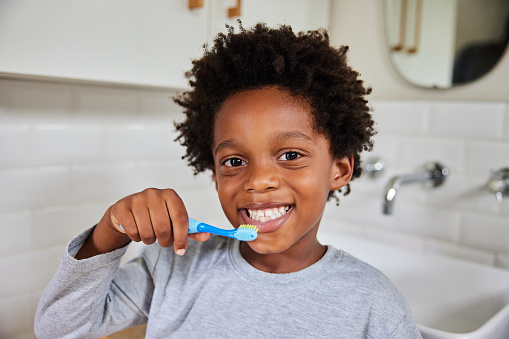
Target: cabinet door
302,15
146,42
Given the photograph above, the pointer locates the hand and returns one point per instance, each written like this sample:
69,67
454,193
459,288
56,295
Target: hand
154,214
147,216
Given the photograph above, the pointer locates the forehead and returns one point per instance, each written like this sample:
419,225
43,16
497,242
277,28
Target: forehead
263,110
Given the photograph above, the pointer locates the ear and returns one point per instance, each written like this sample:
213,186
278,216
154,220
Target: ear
341,173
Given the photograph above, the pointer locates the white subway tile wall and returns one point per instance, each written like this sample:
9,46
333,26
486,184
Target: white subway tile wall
417,150
67,144
18,135
68,151
506,122
34,102
32,187
469,120
15,316
15,228
484,156
459,219
505,207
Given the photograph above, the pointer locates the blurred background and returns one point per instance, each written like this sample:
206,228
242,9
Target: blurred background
86,118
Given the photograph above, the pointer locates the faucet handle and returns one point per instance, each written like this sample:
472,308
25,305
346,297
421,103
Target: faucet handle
375,167
437,173
499,183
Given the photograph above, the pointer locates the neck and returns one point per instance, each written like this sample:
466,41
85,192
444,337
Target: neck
292,260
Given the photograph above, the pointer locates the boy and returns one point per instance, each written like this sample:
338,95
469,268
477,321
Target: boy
280,120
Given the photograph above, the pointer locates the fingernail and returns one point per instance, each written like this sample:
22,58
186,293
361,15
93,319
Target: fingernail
180,251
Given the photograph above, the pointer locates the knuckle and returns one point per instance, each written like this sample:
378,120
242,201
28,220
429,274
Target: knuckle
120,206
179,218
133,236
170,191
137,199
166,242
149,240
163,233
171,195
151,191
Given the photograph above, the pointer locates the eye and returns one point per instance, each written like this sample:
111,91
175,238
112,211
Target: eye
288,156
233,162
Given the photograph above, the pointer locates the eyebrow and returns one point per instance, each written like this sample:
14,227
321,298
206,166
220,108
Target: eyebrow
291,135
232,143
229,143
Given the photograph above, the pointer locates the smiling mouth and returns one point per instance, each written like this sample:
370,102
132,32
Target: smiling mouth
267,214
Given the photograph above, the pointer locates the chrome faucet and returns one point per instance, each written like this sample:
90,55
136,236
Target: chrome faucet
499,183
432,174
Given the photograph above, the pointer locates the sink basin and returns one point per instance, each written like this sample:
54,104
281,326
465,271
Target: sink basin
449,298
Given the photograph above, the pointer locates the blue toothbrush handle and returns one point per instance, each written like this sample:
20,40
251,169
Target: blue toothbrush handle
196,226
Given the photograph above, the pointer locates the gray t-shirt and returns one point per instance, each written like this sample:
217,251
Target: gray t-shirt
212,292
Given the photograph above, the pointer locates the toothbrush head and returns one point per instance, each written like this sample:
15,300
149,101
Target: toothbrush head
246,232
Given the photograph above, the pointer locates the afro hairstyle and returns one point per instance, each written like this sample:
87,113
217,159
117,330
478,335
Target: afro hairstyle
305,65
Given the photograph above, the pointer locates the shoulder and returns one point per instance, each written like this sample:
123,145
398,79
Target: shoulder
365,282
353,269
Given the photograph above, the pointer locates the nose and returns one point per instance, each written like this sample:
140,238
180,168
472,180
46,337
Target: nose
262,177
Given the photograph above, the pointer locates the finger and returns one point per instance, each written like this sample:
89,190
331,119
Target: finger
200,236
161,224
179,221
114,221
144,225
121,215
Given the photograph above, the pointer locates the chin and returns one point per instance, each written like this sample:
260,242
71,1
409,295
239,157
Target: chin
265,247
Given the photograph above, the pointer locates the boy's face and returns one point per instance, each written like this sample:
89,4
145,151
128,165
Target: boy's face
272,169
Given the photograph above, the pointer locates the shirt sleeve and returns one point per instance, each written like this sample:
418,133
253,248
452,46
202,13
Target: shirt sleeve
85,300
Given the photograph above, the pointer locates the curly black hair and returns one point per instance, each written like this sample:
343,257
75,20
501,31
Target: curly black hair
303,64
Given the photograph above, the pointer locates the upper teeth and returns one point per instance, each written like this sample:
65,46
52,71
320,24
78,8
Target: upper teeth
268,213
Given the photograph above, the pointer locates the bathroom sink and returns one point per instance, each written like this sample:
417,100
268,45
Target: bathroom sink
449,298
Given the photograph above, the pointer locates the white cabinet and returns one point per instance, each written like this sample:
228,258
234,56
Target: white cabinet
122,41
138,42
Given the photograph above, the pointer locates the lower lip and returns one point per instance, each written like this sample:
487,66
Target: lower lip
267,226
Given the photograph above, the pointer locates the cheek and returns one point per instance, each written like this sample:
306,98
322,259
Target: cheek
312,183
225,189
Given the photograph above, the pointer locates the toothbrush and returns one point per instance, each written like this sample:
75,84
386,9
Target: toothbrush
243,232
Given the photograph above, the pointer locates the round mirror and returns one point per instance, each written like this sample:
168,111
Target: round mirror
444,43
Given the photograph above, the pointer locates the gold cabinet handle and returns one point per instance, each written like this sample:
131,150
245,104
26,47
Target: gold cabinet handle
234,11
192,4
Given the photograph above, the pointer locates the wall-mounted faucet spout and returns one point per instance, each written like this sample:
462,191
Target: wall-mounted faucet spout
432,174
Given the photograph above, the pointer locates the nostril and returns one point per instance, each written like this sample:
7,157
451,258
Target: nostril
261,188
262,183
